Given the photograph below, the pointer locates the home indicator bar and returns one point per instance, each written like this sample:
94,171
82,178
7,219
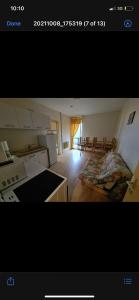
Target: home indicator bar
70,296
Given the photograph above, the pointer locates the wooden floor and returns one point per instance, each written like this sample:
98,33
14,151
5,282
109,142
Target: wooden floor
69,165
82,193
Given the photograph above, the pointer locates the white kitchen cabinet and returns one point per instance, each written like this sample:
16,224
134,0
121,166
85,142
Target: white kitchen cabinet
16,117
33,156
24,118
35,161
40,121
37,120
8,118
32,164
43,158
46,122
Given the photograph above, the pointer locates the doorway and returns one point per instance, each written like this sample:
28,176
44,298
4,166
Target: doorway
77,136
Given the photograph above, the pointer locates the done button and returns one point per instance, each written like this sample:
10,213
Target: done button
13,23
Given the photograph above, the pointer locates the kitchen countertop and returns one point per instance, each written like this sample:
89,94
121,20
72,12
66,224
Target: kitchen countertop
5,163
21,153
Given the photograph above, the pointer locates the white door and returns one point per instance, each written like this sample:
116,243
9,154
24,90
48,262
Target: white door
24,118
132,194
8,117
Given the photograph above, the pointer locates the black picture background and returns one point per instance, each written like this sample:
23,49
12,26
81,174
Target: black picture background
72,237
73,64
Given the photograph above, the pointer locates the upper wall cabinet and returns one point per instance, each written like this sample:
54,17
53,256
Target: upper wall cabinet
16,117
46,122
24,118
37,120
8,118
40,121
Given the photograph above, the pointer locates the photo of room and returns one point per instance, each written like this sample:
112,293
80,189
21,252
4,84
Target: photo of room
69,150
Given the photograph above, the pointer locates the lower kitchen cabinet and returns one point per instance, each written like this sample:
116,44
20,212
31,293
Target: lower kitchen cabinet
31,164
61,194
38,157
43,158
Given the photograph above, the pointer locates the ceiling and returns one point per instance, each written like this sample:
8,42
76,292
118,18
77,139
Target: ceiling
82,106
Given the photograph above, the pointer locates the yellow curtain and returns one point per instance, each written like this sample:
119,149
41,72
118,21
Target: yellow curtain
75,122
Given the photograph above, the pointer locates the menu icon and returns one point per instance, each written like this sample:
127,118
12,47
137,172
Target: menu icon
128,280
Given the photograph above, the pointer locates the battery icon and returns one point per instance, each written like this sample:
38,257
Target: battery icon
129,8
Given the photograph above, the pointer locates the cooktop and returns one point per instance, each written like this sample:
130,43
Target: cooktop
39,188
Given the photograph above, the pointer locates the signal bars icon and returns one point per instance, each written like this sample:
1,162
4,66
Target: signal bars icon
112,8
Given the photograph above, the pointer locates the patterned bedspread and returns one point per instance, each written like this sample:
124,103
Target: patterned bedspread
109,172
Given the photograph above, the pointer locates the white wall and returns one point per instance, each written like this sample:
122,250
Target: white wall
128,135
100,125
66,129
18,139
